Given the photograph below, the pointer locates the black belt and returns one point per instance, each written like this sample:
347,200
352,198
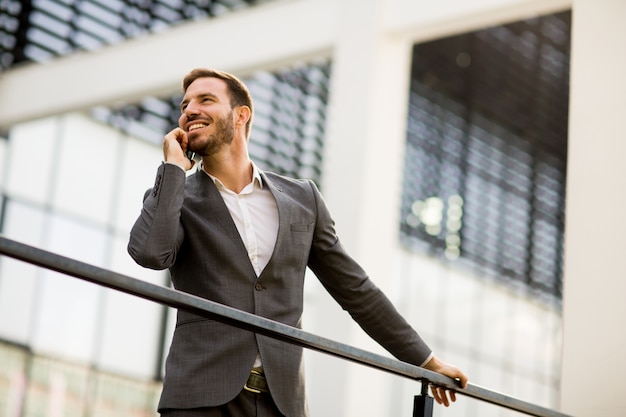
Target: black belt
257,382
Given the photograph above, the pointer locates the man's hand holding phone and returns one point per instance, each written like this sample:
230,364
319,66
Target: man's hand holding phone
175,149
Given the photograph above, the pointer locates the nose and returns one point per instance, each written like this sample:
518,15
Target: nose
191,109
189,113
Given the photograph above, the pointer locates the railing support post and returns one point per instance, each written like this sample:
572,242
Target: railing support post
423,403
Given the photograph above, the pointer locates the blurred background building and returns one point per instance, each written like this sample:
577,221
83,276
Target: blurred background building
443,135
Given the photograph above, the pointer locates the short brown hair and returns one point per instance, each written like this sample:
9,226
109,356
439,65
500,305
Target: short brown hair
238,91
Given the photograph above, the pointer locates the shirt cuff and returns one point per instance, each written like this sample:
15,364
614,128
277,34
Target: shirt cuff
428,358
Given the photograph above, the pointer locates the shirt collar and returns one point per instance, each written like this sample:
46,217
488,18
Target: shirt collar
256,175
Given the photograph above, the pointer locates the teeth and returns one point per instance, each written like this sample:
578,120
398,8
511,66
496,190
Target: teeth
196,126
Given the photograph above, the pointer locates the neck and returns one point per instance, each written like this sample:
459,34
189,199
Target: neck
235,172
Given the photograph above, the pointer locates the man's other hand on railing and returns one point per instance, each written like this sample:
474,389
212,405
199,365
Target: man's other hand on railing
442,395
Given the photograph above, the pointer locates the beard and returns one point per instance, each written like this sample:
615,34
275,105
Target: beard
223,135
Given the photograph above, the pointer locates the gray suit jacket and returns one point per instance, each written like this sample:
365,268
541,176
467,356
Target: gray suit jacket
185,226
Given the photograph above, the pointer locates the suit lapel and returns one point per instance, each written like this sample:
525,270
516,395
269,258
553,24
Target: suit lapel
284,207
215,207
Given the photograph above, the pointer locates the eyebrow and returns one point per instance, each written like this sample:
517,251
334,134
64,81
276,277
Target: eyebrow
184,102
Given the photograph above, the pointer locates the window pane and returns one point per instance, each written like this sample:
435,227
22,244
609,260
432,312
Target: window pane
18,280
124,348
137,169
41,30
3,160
68,316
486,151
30,164
87,167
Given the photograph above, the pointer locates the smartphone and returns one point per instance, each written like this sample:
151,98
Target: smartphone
190,155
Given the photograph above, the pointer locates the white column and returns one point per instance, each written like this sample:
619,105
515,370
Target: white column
594,343
363,168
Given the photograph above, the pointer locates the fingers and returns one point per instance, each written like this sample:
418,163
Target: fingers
176,136
441,399
462,378
174,147
443,396
439,394
453,396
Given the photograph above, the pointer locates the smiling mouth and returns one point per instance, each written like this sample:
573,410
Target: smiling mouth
196,126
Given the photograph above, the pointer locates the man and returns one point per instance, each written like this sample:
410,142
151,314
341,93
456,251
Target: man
242,237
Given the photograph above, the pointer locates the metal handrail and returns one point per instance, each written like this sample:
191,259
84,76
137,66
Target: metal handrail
257,324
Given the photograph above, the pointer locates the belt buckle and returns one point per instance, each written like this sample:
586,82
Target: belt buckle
259,373
247,388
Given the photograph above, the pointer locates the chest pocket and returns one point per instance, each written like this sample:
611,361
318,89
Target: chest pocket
301,227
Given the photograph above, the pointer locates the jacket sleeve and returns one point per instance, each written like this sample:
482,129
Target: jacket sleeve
157,233
351,287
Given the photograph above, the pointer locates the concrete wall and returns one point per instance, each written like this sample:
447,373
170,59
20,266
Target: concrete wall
594,305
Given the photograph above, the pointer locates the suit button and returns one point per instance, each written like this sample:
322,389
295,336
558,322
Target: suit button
258,286
157,184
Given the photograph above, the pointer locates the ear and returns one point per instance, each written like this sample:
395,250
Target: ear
242,115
